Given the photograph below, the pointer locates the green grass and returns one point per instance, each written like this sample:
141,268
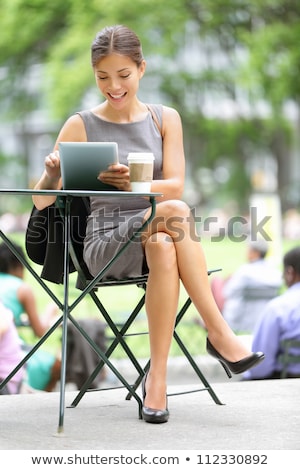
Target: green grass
226,254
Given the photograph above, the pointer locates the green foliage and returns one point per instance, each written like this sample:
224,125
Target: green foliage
256,41
28,30
274,59
69,58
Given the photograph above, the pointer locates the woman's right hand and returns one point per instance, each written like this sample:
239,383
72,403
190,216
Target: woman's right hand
50,179
72,131
52,165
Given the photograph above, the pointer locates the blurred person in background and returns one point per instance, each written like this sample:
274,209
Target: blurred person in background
243,296
43,368
279,321
10,352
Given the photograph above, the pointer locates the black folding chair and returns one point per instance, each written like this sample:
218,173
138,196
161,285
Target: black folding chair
120,336
92,287
120,332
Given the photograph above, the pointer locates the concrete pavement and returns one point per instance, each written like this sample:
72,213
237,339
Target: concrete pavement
257,415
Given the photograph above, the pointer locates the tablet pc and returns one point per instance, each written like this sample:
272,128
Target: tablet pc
81,163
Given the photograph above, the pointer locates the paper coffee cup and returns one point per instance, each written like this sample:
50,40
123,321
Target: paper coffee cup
140,171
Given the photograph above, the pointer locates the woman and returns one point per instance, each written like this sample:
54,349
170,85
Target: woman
43,367
18,295
168,248
10,352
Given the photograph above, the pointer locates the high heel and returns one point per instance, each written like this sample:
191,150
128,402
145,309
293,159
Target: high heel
152,415
235,367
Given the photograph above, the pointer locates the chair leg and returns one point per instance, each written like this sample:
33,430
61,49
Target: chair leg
198,372
138,381
105,359
188,356
120,340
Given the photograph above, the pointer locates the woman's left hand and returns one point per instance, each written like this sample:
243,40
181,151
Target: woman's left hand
116,175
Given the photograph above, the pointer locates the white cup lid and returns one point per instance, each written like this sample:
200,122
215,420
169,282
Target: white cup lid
140,157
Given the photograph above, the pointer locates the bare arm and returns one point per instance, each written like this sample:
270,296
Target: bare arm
27,299
5,318
173,157
73,130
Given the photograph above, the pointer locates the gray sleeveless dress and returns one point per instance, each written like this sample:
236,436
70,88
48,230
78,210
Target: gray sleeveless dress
113,220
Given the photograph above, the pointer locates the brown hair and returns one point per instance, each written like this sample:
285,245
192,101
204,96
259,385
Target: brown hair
116,39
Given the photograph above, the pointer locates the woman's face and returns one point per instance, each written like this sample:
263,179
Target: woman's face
117,77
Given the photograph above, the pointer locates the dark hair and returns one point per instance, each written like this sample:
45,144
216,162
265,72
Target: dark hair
116,39
292,258
260,246
8,259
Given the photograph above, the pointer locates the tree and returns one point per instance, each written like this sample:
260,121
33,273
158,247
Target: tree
239,52
258,48
272,71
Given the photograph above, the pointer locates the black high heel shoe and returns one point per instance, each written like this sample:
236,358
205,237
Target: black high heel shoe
235,367
152,415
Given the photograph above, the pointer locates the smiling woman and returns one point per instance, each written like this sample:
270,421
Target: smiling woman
168,249
119,72
117,78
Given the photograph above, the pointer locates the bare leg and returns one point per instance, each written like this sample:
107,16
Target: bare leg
161,306
174,219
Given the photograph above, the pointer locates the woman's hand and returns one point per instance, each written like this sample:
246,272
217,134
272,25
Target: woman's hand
52,165
50,179
116,175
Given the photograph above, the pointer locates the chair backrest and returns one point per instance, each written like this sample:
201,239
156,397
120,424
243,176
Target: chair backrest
244,311
260,293
290,355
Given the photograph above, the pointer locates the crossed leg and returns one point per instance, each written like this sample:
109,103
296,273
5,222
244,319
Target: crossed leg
174,253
